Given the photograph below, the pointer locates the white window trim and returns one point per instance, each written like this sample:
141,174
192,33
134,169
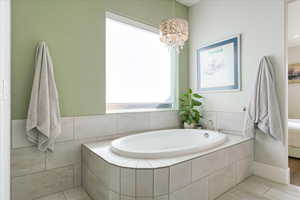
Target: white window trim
131,22
5,98
174,68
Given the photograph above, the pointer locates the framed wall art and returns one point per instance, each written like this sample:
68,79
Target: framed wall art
294,73
218,66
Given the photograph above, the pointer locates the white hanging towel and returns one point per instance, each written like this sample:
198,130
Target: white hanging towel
43,119
263,111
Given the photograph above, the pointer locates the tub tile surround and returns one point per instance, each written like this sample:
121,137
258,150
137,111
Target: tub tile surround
180,176
205,165
28,163
161,181
221,181
186,177
227,122
144,183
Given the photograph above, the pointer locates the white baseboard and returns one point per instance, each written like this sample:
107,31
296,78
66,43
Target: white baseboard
276,174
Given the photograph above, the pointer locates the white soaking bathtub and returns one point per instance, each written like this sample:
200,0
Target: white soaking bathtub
167,143
184,177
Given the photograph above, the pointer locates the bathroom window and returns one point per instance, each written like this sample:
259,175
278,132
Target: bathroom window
140,72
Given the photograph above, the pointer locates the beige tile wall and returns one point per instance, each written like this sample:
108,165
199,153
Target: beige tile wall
182,181
227,122
31,168
36,174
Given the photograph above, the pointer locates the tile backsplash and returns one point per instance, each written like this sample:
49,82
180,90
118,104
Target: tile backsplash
101,126
31,168
226,122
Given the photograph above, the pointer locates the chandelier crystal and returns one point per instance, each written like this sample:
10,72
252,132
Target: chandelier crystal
174,33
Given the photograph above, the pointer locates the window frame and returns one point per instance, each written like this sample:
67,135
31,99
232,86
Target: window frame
141,107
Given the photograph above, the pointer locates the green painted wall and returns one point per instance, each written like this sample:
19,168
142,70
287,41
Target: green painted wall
75,32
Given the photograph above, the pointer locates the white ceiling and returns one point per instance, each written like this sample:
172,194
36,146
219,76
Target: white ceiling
294,23
188,2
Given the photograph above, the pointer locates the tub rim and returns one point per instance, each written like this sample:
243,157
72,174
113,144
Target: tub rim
101,150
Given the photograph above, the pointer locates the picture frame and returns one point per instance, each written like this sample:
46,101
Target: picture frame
218,66
294,73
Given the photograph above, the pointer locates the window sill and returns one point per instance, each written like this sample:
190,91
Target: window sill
140,110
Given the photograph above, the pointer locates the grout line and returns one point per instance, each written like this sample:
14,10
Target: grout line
73,126
267,191
120,182
152,182
217,121
42,171
43,196
45,160
66,198
216,111
135,181
191,174
253,194
169,195
74,174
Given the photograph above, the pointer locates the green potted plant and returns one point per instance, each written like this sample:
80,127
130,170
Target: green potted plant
189,113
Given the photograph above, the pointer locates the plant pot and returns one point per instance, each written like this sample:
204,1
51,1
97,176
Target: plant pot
189,126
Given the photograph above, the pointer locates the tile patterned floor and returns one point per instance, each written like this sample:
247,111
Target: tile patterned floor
294,165
72,194
253,188
256,188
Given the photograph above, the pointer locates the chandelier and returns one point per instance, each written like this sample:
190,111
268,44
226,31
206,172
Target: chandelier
174,32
